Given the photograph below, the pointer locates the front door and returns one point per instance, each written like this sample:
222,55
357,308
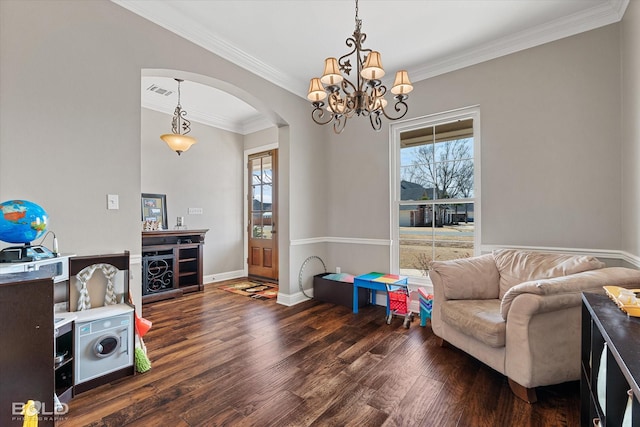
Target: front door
263,242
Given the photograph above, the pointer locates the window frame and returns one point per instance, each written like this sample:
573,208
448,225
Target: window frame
395,130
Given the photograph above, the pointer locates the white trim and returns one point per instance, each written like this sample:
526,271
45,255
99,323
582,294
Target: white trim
244,127
219,277
135,259
630,258
345,240
291,299
395,129
598,16
359,241
309,241
604,253
256,124
598,253
169,16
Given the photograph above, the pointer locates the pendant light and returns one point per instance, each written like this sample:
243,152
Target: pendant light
178,141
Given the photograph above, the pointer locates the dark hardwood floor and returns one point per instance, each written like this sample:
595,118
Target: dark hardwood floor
223,359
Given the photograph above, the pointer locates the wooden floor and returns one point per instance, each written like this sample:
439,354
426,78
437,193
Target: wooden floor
223,359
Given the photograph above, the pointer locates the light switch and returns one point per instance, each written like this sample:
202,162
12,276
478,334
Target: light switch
112,201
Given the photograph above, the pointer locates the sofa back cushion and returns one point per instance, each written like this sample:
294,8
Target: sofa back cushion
516,266
467,278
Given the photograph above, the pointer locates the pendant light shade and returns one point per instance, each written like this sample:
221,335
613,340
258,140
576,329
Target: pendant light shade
178,143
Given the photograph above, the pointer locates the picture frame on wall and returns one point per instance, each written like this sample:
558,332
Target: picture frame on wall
154,209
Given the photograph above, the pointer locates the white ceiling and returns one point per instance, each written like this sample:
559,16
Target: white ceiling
286,41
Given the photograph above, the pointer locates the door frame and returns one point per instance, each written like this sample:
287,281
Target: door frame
245,197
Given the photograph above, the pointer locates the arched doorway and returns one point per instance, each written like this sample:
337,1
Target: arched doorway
215,174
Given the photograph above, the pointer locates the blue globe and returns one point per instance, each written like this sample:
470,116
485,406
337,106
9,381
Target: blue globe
22,221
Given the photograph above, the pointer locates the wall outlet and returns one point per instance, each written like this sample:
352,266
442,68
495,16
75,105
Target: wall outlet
337,269
195,211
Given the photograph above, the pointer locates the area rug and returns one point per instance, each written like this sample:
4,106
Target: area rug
253,289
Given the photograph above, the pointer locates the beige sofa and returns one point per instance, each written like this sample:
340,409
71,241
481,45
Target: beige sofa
519,312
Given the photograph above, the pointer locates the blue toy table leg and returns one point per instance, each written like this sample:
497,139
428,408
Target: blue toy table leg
423,316
426,305
355,298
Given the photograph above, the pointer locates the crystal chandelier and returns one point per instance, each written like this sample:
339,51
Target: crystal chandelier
178,141
365,97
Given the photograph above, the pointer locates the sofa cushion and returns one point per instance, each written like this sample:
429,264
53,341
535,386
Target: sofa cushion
479,319
517,266
467,278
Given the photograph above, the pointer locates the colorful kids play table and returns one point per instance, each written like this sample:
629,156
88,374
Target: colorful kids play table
375,282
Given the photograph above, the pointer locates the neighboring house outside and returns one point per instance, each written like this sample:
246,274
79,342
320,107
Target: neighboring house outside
420,215
265,208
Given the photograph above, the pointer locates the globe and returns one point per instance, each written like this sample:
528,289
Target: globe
22,221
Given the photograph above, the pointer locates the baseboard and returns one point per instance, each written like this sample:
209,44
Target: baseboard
293,299
219,277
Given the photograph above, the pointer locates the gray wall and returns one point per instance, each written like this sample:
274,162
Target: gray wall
209,176
70,120
550,157
630,35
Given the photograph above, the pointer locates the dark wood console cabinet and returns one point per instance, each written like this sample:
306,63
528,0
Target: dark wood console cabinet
606,400
26,346
171,263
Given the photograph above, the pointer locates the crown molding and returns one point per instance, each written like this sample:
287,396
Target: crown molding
590,19
170,17
255,124
620,6
245,127
159,13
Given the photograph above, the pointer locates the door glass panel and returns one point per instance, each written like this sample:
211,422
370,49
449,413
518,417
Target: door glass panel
261,197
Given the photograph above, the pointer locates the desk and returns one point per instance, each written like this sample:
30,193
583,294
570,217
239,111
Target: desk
375,282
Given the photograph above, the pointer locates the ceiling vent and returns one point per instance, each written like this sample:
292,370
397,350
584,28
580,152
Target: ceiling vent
157,89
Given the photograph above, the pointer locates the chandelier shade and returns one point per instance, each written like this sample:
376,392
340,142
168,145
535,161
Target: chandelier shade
401,84
178,140
316,91
373,67
364,97
331,75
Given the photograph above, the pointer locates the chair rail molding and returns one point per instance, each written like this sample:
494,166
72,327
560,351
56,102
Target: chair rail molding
346,240
598,253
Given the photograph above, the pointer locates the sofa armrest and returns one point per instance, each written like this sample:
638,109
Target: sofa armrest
568,288
543,339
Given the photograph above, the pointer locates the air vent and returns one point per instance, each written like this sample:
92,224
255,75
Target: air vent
157,89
